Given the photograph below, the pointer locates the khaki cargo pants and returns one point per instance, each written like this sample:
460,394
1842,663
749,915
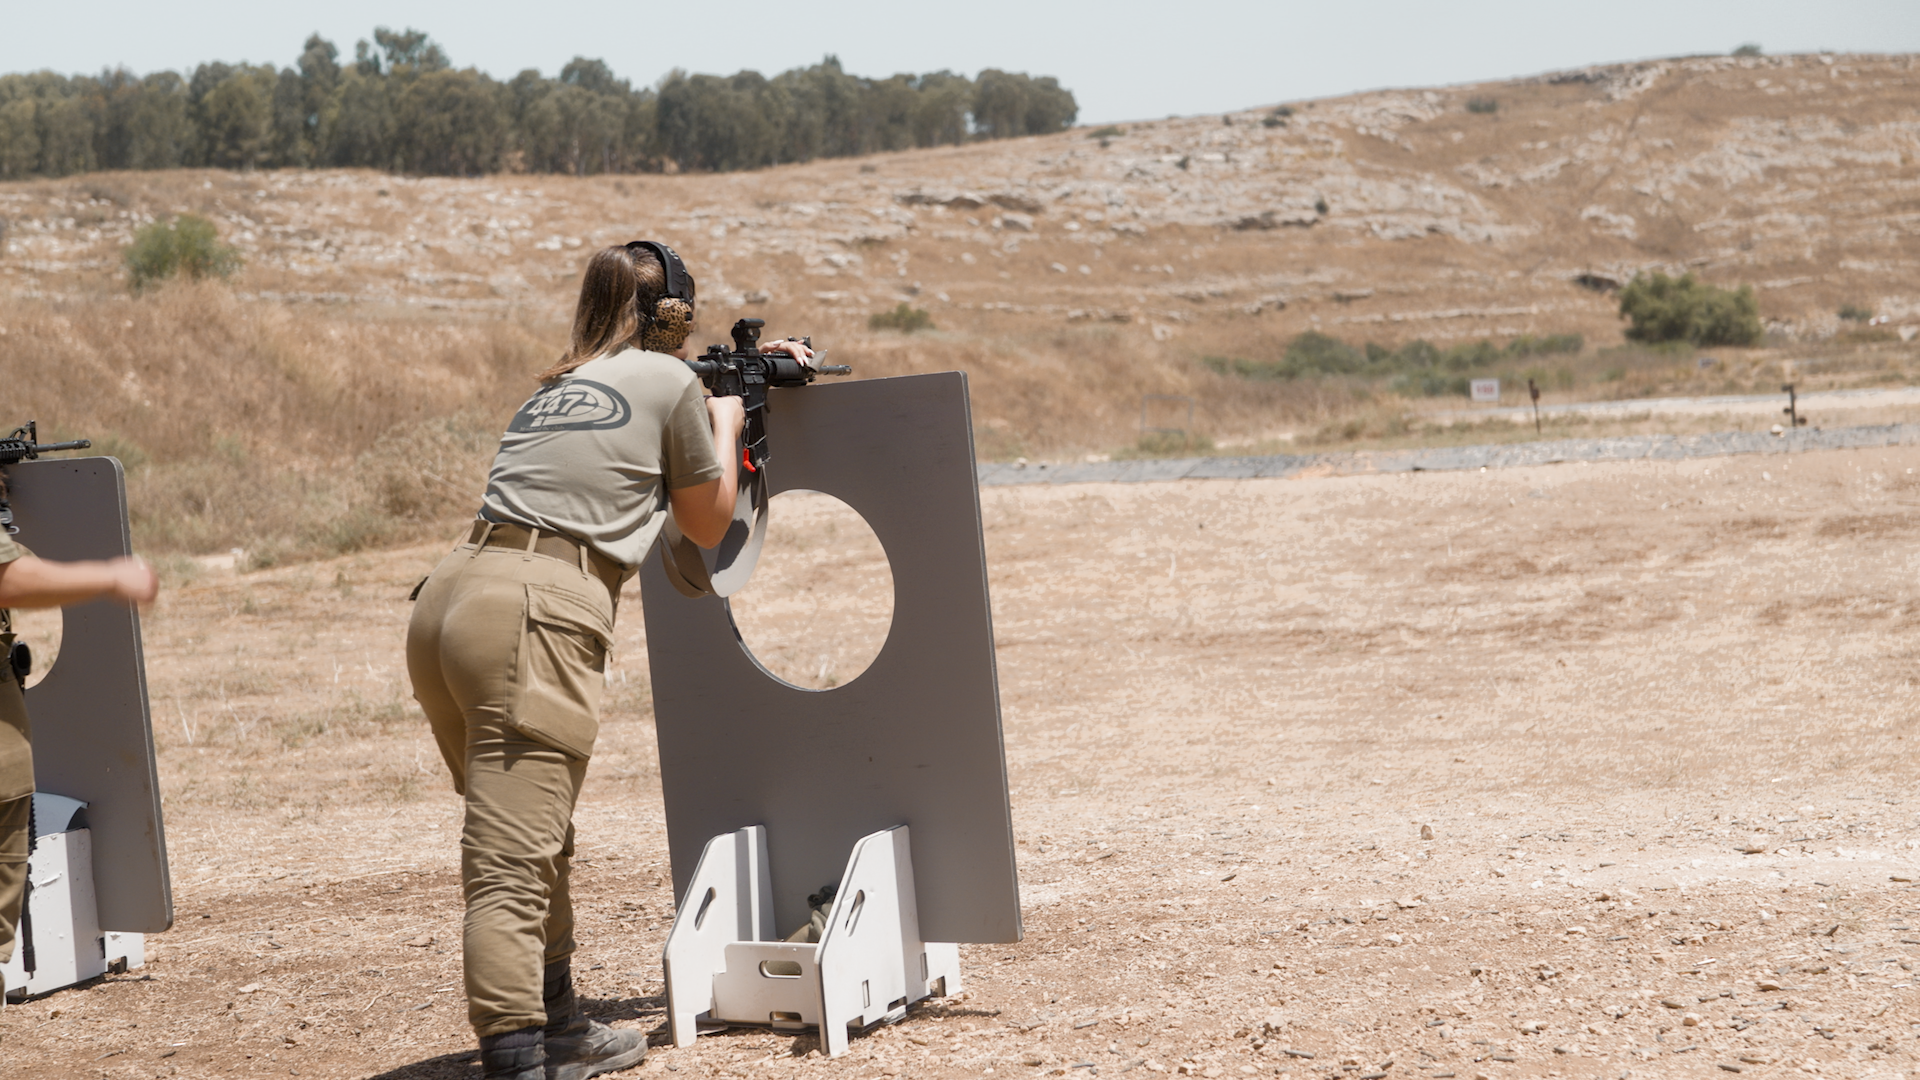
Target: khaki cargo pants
507,651
14,816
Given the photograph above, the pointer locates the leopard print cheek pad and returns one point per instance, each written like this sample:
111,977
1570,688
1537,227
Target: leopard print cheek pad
672,322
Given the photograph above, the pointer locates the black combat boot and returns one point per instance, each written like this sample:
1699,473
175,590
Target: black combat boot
577,1047
514,1055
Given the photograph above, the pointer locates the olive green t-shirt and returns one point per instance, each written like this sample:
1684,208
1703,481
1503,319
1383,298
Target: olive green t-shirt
593,453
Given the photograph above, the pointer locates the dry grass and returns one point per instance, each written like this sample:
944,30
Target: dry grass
282,430
306,430
381,321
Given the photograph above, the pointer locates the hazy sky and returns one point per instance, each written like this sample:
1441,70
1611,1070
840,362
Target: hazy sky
1124,59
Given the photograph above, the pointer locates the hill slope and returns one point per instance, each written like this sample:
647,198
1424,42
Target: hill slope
1069,273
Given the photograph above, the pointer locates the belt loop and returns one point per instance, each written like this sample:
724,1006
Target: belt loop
486,532
586,565
533,537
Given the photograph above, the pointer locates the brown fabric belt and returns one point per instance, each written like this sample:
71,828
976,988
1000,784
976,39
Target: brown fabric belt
551,544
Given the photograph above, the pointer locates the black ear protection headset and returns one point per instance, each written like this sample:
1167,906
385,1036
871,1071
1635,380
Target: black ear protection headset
676,271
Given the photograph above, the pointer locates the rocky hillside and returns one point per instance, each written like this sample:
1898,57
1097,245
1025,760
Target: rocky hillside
1396,213
1069,274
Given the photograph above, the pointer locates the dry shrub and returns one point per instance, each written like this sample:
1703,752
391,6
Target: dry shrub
1067,389
426,473
283,430
295,430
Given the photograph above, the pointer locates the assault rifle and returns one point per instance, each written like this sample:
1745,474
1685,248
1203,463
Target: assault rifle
24,445
746,372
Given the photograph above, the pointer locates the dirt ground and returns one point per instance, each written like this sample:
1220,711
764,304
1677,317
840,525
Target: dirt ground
1585,771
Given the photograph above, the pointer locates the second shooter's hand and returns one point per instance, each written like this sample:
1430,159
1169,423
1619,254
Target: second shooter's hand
793,347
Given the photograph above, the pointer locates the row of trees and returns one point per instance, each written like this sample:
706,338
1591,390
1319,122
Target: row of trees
399,104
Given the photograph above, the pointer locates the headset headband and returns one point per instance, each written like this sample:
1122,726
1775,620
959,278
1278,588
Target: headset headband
676,271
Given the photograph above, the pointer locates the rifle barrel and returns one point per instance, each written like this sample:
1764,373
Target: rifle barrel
77,444
835,369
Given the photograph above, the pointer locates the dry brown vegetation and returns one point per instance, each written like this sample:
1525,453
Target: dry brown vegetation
382,315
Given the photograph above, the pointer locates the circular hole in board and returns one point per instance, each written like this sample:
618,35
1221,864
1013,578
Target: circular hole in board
820,602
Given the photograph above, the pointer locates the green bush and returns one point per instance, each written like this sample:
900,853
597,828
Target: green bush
1667,309
1108,132
185,245
1855,313
1528,345
904,318
1315,353
1482,105
1164,444
1312,353
1749,49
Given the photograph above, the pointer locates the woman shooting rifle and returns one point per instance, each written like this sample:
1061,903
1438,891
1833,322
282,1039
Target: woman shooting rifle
508,641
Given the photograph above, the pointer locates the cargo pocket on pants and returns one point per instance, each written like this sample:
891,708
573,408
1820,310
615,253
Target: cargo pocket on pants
563,659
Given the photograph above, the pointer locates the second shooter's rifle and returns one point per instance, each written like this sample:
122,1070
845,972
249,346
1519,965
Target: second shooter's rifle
747,373
24,445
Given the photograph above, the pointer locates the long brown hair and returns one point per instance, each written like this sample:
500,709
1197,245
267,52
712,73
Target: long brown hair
618,295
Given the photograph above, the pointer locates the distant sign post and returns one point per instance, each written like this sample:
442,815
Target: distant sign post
1794,419
1486,390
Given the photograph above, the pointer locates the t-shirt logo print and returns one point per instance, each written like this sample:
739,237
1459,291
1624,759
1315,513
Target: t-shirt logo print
572,405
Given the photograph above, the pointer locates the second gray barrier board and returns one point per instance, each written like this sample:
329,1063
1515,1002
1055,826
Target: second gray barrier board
92,737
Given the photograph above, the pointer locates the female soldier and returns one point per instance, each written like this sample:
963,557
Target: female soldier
507,645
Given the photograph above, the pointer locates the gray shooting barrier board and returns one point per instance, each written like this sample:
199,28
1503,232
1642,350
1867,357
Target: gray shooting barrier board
915,739
92,737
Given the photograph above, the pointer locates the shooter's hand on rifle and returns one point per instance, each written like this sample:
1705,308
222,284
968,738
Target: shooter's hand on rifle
727,415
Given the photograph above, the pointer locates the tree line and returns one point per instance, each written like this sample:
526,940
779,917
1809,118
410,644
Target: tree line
400,105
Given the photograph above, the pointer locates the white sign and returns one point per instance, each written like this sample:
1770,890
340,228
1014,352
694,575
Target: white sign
1486,390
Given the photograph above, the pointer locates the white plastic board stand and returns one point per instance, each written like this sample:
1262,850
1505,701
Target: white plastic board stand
724,967
62,927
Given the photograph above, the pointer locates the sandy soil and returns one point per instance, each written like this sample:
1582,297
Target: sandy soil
1581,771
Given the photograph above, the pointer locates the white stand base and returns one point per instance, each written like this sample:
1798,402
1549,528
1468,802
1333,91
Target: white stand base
724,966
68,944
